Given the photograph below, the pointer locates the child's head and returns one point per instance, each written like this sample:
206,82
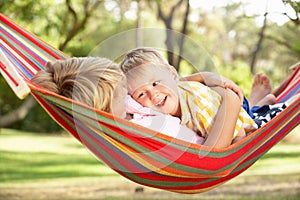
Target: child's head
151,81
97,82
142,56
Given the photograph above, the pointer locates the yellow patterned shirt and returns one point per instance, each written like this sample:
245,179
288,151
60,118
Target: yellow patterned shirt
199,106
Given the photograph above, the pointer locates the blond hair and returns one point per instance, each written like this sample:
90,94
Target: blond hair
141,56
88,80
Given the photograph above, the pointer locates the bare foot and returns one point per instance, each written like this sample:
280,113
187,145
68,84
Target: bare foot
269,99
261,91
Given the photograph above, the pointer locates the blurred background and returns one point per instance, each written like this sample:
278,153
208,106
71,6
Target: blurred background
234,38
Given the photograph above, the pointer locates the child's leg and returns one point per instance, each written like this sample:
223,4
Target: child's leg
241,134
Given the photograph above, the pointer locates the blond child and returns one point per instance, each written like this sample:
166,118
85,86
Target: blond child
89,80
154,83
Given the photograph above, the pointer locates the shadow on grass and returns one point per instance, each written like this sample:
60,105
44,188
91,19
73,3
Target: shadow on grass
24,166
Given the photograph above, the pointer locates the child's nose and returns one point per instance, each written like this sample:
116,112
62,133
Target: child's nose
154,94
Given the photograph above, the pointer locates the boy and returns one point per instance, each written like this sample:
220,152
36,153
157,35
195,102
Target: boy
154,83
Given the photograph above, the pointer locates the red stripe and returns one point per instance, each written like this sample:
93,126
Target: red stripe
278,134
54,114
63,123
186,158
294,77
22,56
37,41
258,153
24,48
3,67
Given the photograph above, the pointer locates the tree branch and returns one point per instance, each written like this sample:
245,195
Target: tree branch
277,40
77,24
258,45
168,23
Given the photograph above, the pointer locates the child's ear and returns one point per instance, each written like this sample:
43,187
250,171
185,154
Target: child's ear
174,73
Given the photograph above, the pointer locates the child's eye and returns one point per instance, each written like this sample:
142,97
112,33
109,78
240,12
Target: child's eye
155,83
140,95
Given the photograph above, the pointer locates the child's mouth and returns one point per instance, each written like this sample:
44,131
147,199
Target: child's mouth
161,102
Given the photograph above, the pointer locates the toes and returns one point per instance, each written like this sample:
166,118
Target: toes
261,79
257,78
265,80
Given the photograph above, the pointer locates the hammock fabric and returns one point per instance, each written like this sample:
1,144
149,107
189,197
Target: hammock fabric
137,153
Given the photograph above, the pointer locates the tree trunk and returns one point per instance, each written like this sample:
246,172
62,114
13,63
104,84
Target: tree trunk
18,114
139,34
183,32
169,31
258,45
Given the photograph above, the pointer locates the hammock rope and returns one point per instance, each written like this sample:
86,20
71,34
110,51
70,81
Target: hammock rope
137,153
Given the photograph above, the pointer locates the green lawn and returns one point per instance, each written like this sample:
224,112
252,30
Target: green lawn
28,157
37,166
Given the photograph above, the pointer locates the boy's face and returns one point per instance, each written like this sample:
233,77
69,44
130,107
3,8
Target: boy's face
118,100
155,87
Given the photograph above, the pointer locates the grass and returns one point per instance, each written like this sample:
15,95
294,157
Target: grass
28,157
37,166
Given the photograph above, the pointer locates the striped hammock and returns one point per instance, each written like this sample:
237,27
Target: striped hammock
137,153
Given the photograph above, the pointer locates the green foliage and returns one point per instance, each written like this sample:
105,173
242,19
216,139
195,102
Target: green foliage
239,72
8,99
37,120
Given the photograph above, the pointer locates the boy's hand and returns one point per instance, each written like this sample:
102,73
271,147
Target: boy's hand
234,87
211,80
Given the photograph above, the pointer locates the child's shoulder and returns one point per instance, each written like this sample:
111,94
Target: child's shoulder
191,85
193,88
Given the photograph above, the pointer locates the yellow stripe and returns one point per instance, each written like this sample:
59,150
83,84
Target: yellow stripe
27,44
24,62
139,157
194,191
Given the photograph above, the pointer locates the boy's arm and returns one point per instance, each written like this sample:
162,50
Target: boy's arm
221,133
211,80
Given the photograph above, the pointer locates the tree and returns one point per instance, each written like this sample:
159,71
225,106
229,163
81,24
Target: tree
79,19
168,20
295,5
286,43
258,45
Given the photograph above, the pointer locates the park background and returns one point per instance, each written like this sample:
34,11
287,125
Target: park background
40,160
